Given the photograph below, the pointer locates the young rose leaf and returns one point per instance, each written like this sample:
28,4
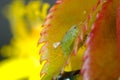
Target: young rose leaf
84,30
101,60
118,30
63,15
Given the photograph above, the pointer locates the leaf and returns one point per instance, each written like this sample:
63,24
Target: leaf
118,26
61,17
101,60
79,45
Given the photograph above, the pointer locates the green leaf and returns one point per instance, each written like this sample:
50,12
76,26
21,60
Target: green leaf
62,16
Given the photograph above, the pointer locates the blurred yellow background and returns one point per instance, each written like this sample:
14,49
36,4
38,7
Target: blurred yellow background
22,53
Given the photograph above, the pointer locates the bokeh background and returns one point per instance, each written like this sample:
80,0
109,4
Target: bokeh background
5,33
19,55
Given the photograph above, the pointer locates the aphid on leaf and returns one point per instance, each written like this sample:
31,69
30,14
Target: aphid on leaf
68,40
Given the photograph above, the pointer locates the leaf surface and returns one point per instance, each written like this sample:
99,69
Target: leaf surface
101,60
63,15
118,25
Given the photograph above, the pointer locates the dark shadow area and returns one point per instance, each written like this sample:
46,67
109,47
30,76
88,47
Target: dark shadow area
5,33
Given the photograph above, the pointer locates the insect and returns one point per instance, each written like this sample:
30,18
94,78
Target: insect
68,40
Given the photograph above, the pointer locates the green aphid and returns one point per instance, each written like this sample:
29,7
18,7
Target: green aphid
68,40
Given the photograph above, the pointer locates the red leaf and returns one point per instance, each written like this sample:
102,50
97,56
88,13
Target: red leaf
101,60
